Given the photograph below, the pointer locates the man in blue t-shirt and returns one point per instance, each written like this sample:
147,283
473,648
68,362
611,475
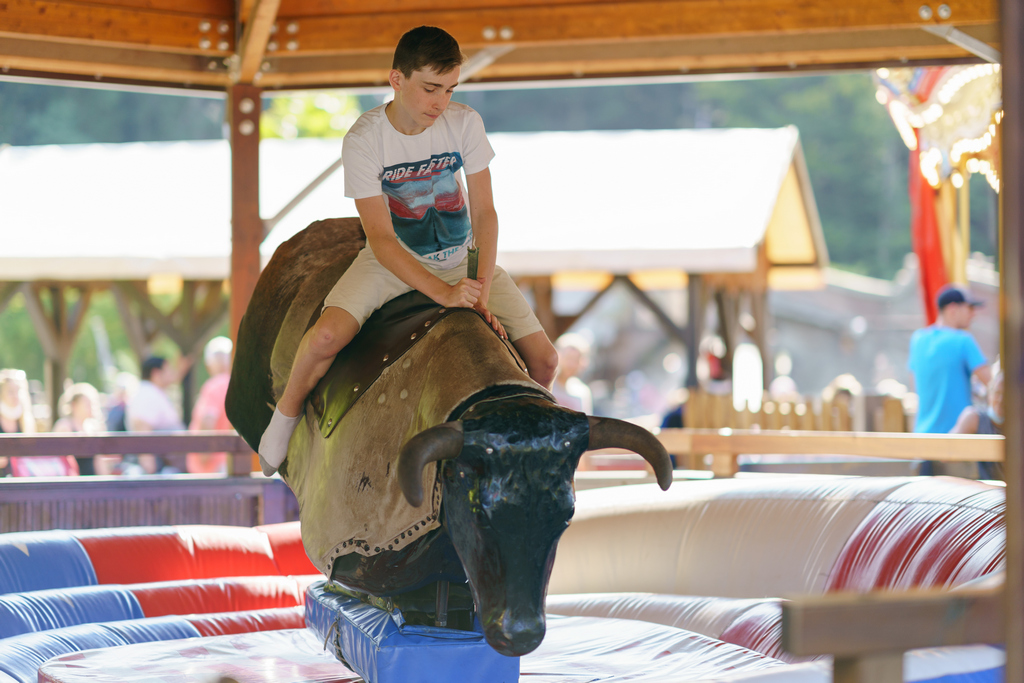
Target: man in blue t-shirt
943,358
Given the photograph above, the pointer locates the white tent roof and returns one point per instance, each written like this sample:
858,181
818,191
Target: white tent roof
694,200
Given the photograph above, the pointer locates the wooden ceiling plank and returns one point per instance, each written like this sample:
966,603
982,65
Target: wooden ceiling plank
597,22
313,8
63,21
696,54
110,62
222,9
254,41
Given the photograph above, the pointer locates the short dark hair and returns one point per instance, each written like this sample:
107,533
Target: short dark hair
150,364
427,46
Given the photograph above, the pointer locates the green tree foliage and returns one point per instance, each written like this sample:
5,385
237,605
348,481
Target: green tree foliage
324,114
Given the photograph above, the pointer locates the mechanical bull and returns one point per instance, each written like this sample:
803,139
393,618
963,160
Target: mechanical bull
426,454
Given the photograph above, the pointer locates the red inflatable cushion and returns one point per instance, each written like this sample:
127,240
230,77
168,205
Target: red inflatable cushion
286,545
142,554
931,533
277,619
209,596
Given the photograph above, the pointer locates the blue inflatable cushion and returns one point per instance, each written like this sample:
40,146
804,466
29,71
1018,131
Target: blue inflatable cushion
37,560
56,608
21,656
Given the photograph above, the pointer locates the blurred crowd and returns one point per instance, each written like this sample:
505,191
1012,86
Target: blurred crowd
140,403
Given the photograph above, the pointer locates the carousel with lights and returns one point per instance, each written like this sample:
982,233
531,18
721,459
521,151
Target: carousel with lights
950,118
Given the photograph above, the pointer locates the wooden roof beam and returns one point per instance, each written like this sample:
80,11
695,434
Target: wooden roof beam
620,21
202,33
698,54
111,62
258,26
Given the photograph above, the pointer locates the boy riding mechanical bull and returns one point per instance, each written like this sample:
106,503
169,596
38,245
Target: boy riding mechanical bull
430,450
402,162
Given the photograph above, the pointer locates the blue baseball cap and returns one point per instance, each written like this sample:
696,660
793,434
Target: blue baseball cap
954,294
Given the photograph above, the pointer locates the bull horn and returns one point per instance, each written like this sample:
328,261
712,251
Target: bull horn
606,432
442,442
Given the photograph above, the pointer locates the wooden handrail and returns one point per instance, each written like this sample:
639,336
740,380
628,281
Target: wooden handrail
20,445
868,634
726,445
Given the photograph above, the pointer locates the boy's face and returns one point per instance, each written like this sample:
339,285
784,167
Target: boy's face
425,94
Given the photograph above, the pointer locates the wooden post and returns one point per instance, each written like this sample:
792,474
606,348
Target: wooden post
724,465
762,320
7,292
883,668
1011,228
246,225
57,332
543,299
694,323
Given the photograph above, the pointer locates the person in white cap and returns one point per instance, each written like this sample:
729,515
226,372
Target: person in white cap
208,412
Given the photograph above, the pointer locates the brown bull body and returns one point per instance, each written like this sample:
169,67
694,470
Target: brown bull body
426,452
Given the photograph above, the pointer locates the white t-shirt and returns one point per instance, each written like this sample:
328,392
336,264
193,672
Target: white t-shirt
419,176
150,404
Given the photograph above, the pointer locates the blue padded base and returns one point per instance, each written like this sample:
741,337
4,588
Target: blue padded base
57,608
382,649
21,656
36,560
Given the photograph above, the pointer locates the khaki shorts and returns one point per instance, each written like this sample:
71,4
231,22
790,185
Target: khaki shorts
367,285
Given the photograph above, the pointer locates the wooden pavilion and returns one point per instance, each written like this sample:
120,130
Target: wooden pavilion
693,232
247,46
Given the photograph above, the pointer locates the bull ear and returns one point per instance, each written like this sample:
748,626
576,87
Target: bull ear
606,432
442,442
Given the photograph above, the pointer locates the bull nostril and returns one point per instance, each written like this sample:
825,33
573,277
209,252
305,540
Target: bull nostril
517,638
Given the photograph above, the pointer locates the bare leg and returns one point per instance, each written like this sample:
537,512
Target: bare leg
321,343
540,357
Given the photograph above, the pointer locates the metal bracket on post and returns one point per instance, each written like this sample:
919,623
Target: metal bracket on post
269,223
978,48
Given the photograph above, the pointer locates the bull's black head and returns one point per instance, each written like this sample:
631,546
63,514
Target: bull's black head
508,497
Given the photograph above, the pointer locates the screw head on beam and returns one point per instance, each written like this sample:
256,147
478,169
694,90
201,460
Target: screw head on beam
204,26
223,27
293,27
246,105
489,33
945,11
205,44
246,127
223,45
506,33
925,12
272,46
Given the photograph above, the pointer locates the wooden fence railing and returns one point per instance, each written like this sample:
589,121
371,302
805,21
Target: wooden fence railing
868,634
810,413
86,502
31,504
726,445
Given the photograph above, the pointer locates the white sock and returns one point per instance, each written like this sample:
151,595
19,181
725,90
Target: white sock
274,443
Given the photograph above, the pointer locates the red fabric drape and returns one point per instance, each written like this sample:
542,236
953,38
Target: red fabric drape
924,233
